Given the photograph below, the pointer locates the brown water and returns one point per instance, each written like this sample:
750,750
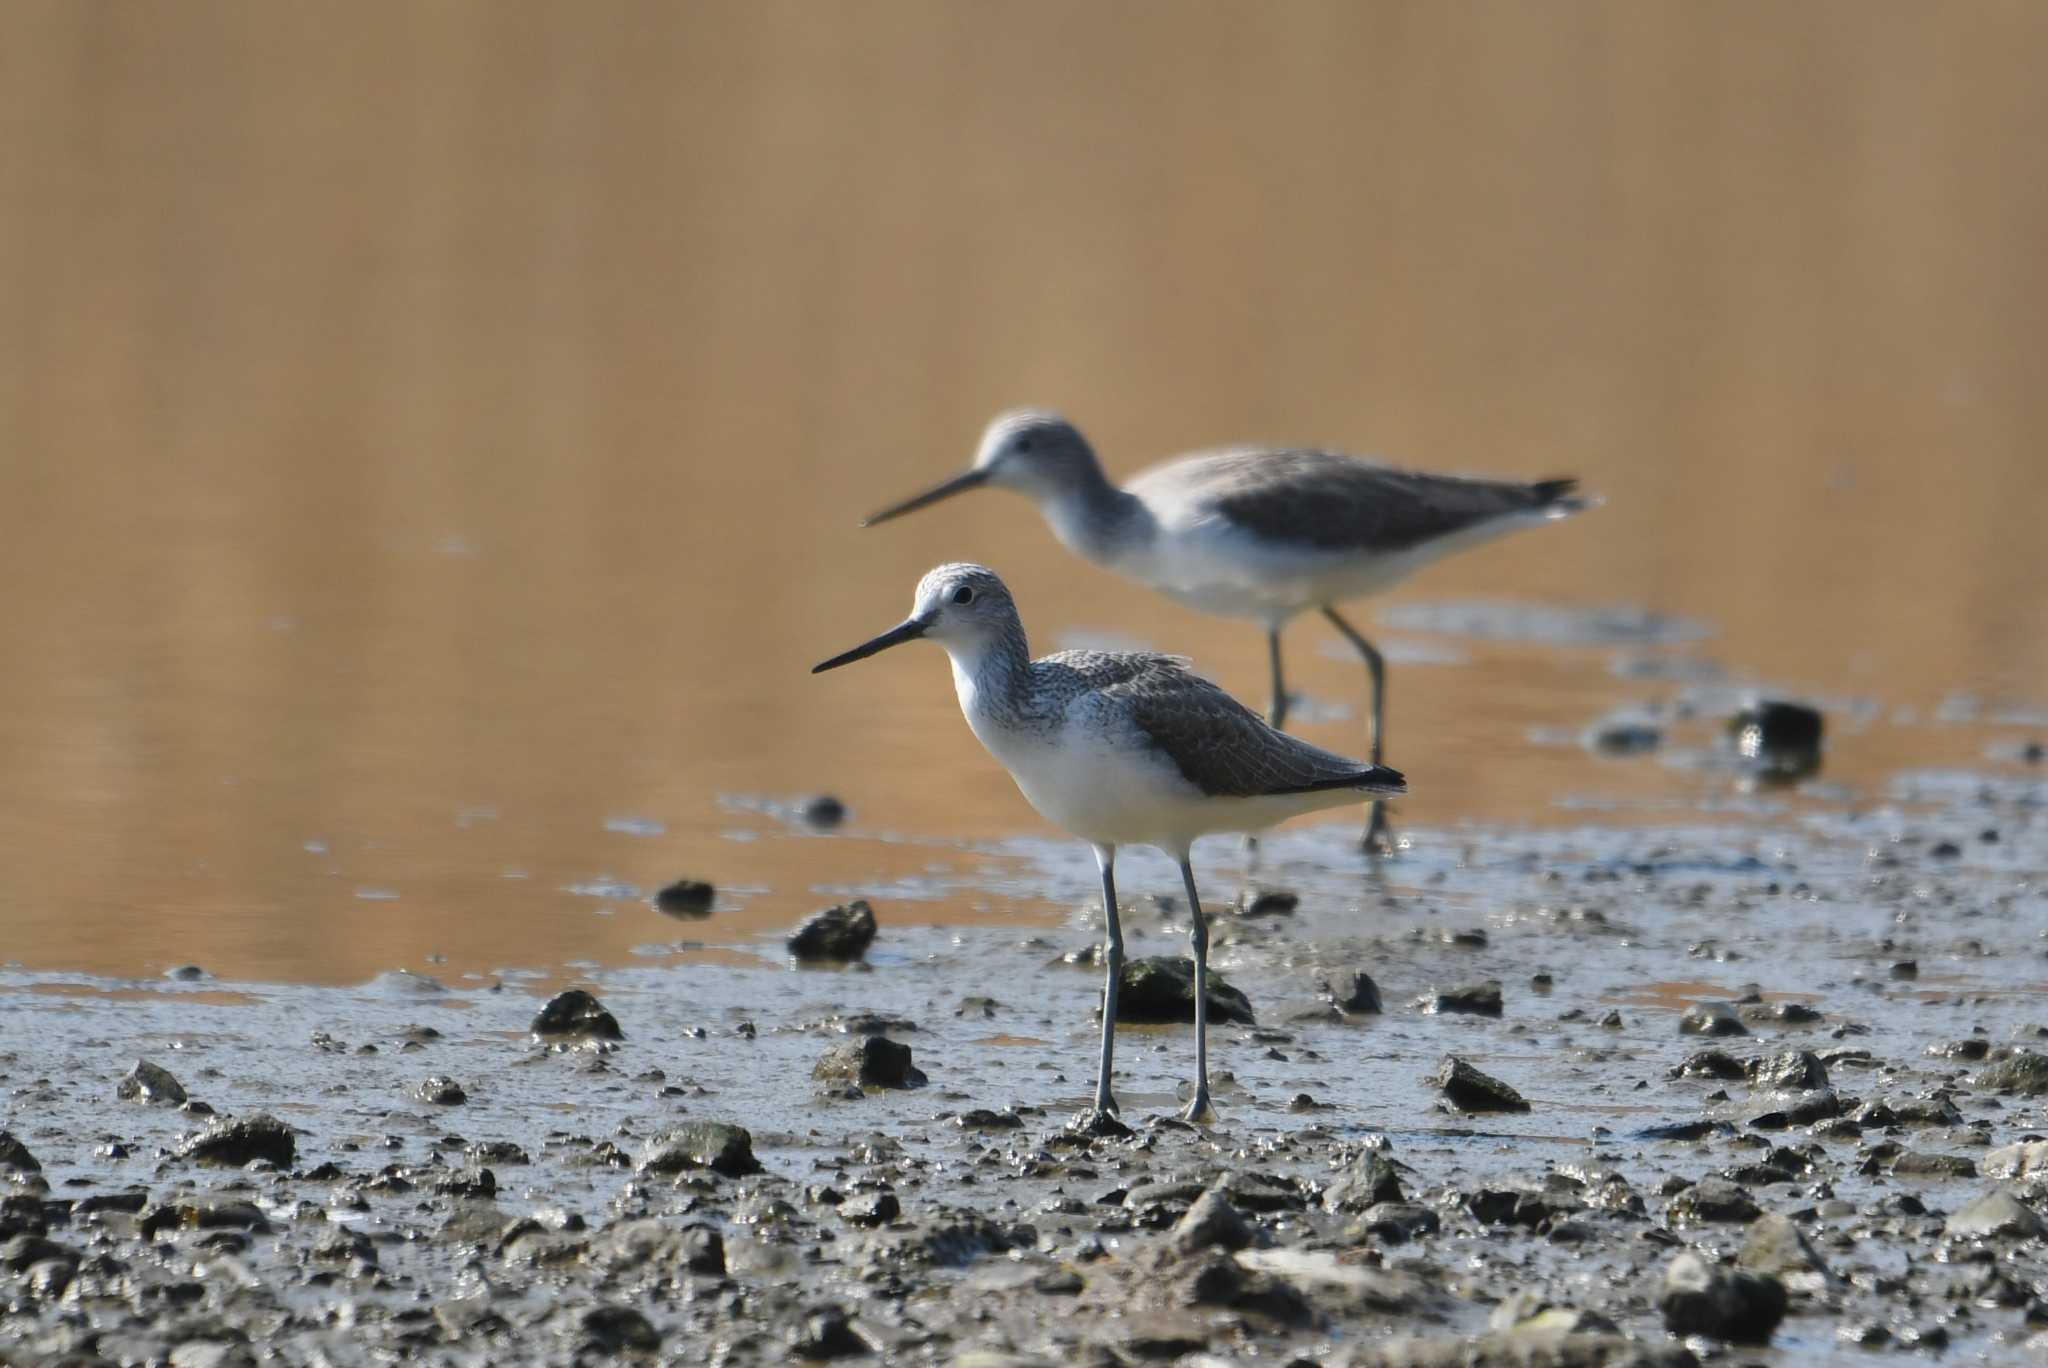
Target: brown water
428,433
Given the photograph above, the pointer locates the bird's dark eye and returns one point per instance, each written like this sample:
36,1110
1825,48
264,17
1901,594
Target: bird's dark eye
963,595
1023,445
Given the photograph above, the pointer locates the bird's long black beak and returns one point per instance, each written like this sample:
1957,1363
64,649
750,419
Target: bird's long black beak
909,630
957,485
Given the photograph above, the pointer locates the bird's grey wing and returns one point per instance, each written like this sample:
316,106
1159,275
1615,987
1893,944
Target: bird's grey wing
1341,503
1225,749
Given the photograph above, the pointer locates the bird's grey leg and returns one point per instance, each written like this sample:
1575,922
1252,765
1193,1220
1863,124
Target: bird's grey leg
1198,940
1278,716
1113,958
1379,840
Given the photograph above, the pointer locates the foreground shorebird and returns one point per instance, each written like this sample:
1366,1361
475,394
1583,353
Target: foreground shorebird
1120,748
1259,534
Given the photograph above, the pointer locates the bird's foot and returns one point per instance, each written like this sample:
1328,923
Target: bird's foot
1379,840
1105,1101
1096,1123
1200,1111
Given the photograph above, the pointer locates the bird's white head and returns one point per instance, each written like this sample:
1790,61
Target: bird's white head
1031,451
963,607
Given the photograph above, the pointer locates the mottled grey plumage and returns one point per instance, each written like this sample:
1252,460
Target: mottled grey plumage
1219,745
1335,502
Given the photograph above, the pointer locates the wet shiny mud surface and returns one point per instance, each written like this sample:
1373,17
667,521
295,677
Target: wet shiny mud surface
1880,970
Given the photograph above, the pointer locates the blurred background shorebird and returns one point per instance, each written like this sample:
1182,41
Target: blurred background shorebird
1121,748
1258,533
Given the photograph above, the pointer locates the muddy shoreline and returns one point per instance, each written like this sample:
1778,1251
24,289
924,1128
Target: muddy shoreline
1860,1143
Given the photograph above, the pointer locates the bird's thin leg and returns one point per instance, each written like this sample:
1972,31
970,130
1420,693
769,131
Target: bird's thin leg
1198,940
1379,839
1278,716
1113,959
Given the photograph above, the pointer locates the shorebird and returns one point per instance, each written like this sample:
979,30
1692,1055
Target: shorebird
1120,748
1265,534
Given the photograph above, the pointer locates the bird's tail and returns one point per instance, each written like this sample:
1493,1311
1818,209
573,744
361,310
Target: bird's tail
1560,498
1374,780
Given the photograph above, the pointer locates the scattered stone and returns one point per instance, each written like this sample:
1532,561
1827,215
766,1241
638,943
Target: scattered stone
1353,992
1791,1071
15,1155
575,1014
1699,1299
1776,1247
1779,1014
827,1333
148,1082
237,1142
1711,1019
1397,1223
869,1062
1711,1201
686,898
1371,1180
1779,740
837,935
1997,1215
2016,1161
2022,1071
1268,902
710,1145
1710,1064
1479,999
1467,1089
822,810
1920,1164
1624,736
616,1329
1211,1223
870,1209
653,1243
1161,988
1905,969
439,1090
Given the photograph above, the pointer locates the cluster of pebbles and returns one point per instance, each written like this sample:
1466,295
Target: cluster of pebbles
1571,1098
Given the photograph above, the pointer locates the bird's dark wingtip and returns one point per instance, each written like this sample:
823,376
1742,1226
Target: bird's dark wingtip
1560,496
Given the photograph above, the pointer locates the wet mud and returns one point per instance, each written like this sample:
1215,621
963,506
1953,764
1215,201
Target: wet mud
1632,1095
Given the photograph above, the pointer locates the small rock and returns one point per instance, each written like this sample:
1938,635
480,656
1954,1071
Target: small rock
838,934
1998,1214
1920,1164
1161,988
1624,736
1354,992
1467,1089
1398,1222
710,1145
575,1014
1211,1223
1905,969
827,1333
1369,1181
869,1062
617,1328
1268,902
1780,740
1480,999
870,1209
1710,1064
439,1090
1711,1201
238,1142
2022,1071
2016,1161
15,1155
822,810
1779,1014
686,898
1792,1071
1777,1247
1711,1019
1699,1299
148,1082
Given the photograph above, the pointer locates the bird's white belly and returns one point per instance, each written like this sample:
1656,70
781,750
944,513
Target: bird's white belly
1090,785
1215,567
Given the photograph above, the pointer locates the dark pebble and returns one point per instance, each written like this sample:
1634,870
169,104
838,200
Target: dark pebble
1161,988
578,1015
686,898
1699,1299
838,934
1354,992
823,810
1711,1019
148,1082
1781,740
242,1141
710,1145
1467,1089
1479,999
827,1333
1269,902
869,1062
439,1090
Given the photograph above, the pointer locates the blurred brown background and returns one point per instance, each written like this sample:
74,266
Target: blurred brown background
428,430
